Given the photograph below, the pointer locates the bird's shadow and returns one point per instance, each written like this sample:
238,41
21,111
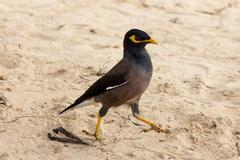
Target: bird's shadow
70,137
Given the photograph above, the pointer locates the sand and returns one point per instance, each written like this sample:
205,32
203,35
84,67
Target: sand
52,50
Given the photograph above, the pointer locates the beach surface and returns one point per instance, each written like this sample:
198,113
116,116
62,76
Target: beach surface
51,51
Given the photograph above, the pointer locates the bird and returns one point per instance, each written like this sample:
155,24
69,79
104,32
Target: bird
124,83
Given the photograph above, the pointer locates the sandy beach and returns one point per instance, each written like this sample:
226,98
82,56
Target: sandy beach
51,51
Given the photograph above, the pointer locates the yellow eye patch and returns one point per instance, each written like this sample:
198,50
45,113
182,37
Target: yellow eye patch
133,39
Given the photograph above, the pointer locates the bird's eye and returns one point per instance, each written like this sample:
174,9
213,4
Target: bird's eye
138,38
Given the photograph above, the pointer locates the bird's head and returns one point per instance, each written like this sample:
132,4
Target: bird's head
137,38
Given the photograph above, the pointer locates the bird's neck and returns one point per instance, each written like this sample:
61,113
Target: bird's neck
133,50
139,56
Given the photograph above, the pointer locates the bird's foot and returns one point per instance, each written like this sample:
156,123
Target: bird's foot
157,128
98,138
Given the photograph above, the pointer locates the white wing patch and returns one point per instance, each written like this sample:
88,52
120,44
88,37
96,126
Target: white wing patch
119,85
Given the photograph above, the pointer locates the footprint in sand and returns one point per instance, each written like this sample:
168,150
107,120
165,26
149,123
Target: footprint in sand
9,61
58,73
194,84
229,94
167,88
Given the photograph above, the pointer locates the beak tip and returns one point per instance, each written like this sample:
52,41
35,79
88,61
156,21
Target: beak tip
153,41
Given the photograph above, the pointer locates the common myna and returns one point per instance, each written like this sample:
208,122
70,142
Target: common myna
125,82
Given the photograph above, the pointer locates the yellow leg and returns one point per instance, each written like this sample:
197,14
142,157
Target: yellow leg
153,125
96,134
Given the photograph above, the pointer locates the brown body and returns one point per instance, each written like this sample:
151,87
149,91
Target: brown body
138,80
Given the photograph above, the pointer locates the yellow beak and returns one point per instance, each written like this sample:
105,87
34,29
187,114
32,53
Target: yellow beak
151,40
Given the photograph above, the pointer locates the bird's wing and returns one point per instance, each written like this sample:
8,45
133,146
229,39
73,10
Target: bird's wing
115,78
104,84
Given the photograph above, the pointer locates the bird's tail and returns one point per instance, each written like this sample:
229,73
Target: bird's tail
78,104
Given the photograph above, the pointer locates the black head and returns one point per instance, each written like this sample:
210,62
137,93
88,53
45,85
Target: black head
137,38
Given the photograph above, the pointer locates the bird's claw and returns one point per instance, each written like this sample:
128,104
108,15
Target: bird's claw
98,138
157,129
